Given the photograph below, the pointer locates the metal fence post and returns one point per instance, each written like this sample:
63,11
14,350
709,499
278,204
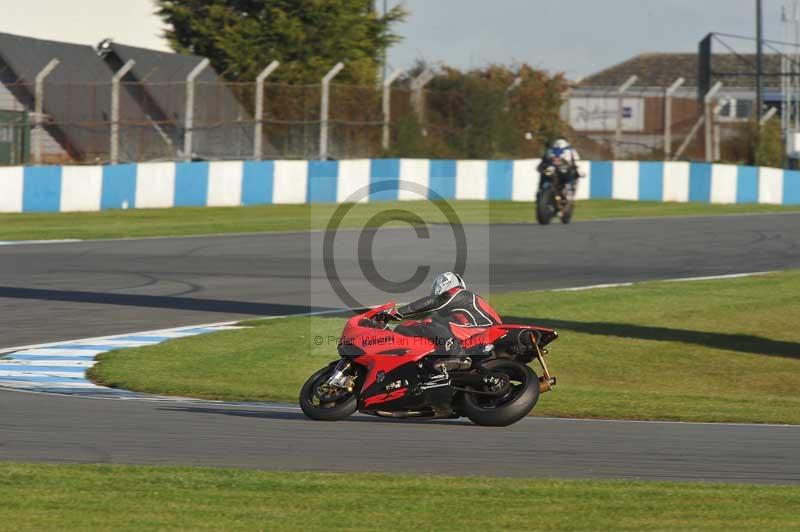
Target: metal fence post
189,118
259,112
115,80
772,111
709,119
668,116
417,96
324,104
39,109
620,94
387,106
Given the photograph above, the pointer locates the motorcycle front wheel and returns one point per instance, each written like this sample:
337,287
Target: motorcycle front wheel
324,403
545,207
507,409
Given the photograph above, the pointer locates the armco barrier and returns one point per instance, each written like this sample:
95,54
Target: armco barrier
229,183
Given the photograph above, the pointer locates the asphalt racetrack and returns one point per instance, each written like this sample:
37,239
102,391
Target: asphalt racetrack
57,292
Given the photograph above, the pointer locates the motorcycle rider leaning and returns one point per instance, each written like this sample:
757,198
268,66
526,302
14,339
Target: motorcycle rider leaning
449,304
561,152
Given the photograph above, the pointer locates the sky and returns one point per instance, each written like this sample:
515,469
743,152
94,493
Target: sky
578,37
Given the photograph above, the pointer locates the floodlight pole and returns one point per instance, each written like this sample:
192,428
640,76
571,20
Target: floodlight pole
709,119
39,109
115,81
324,109
670,92
259,112
387,106
620,95
189,118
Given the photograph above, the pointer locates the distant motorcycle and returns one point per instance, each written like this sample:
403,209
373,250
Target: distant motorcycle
555,196
387,374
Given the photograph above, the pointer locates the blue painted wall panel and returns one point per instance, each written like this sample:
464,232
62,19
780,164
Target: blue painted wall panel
384,178
41,189
257,182
442,179
322,180
119,187
499,180
600,183
747,184
191,184
700,182
791,187
651,181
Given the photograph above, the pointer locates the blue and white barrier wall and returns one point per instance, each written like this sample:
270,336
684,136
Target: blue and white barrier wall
152,185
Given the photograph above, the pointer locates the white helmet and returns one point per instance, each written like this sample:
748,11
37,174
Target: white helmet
447,281
560,144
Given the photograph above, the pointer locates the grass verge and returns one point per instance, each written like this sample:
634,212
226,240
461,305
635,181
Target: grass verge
100,497
723,350
219,220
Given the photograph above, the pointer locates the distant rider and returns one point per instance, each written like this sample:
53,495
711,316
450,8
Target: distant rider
561,153
449,304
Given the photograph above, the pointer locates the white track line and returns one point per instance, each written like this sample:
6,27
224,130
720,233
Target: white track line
32,242
675,280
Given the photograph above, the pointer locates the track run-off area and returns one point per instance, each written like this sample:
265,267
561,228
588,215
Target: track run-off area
62,291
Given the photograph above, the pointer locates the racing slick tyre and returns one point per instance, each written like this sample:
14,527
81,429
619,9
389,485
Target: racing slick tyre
509,408
566,213
323,403
545,210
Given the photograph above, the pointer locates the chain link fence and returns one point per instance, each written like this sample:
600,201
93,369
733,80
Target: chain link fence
159,122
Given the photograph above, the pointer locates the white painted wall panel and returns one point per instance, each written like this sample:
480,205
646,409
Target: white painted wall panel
291,182
526,180
676,181
155,185
415,172
81,187
770,185
353,178
723,183
11,189
584,183
625,180
225,183
471,179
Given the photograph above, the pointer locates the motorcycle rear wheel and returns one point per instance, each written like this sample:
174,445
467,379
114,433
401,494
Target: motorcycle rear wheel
506,410
325,407
545,208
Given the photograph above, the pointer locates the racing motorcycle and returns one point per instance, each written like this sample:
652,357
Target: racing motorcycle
555,196
387,374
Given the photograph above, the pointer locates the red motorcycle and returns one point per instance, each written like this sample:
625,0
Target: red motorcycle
388,374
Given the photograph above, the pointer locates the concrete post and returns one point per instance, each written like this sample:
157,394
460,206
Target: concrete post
620,95
772,111
259,111
38,118
387,106
115,81
189,118
417,96
324,109
668,116
709,119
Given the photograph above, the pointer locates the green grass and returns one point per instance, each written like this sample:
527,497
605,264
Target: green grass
101,497
723,350
218,220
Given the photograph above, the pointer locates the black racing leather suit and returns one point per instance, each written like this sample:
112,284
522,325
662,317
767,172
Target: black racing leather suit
456,306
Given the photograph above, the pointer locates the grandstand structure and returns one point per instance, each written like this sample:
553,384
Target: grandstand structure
74,116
